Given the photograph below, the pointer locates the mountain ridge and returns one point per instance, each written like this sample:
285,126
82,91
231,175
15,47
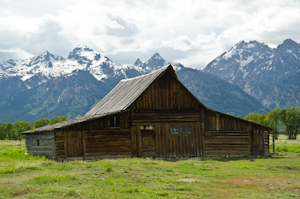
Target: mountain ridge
72,85
268,74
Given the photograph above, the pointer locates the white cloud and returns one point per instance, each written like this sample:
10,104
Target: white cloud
192,32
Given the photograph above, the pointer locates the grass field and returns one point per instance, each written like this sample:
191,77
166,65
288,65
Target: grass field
23,176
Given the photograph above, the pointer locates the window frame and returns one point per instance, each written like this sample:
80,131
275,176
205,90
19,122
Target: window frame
180,132
116,121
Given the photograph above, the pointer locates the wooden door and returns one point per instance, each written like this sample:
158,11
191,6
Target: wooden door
148,143
74,144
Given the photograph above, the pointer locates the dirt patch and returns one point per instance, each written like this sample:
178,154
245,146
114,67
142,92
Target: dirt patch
23,192
187,180
286,168
20,171
244,180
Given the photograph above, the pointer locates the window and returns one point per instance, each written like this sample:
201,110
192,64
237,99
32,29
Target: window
175,129
114,121
182,130
186,129
38,142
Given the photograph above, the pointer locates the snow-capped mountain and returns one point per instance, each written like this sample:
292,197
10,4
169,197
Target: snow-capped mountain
29,73
51,66
40,69
270,75
47,85
155,62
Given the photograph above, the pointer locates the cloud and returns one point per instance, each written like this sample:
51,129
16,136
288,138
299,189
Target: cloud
16,53
119,27
191,32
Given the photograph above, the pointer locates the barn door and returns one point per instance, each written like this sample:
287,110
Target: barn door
148,143
74,144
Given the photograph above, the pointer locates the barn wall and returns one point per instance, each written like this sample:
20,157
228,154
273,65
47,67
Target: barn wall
107,143
166,93
151,134
229,136
40,144
94,139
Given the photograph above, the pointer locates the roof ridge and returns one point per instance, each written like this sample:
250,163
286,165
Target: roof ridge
141,76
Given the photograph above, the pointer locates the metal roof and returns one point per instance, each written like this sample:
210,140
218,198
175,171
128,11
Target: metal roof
125,93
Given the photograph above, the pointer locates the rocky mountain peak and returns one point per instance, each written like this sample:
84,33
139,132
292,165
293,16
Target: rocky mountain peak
156,56
44,56
82,52
154,63
290,42
260,70
138,62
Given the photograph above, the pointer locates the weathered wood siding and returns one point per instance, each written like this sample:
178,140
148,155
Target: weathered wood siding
41,144
165,144
107,143
94,139
151,134
226,143
166,93
225,135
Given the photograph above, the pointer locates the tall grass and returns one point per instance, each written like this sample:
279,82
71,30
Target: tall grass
243,177
287,147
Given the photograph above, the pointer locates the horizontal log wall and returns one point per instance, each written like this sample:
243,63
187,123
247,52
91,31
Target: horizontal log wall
175,117
222,123
106,143
41,144
232,143
100,123
90,132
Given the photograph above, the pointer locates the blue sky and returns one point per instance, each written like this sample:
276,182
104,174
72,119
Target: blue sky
187,31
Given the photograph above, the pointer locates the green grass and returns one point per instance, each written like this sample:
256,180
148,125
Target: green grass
24,176
285,145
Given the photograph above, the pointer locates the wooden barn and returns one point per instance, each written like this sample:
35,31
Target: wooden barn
153,115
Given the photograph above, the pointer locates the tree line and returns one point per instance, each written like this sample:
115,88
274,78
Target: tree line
12,131
288,118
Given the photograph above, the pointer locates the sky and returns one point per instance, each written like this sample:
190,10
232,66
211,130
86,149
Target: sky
186,31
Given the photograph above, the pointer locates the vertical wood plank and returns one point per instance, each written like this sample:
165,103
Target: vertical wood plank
139,141
83,143
65,142
197,140
167,141
202,140
159,141
262,143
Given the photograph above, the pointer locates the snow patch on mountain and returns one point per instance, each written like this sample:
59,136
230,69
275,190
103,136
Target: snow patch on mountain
258,69
46,66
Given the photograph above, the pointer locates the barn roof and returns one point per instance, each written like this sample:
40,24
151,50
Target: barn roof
127,91
65,123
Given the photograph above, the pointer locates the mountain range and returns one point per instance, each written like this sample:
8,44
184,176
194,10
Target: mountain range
48,85
271,75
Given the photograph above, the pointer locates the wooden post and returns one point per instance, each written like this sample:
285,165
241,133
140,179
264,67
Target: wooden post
273,141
